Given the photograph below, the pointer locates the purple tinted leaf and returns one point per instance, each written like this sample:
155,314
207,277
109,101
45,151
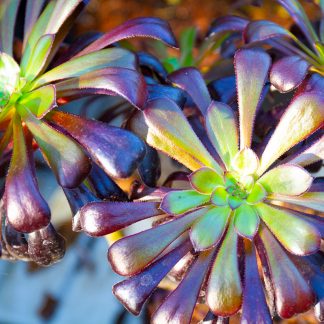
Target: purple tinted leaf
104,186
253,291
149,61
293,294
27,210
179,305
8,13
223,89
262,30
155,28
288,73
150,168
66,158
156,91
134,291
126,83
314,83
191,81
46,246
131,254
227,24
105,144
102,218
77,198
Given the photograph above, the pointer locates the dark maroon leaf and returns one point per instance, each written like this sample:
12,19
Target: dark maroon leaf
191,81
150,168
253,291
227,24
179,305
314,83
288,73
101,218
134,291
26,209
139,27
46,246
116,150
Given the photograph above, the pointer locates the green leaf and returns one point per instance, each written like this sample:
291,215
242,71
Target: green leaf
234,202
286,179
8,13
295,234
187,44
246,221
224,290
39,101
110,57
38,58
180,201
304,115
205,180
257,194
170,132
219,197
245,162
207,231
251,68
221,126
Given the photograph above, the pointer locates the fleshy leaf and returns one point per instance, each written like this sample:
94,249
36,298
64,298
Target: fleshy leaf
105,144
179,305
26,209
246,221
191,81
254,308
76,67
295,234
245,162
292,293
131,254
66,158
257,194
133,292
207,231
222,130
139,27
288,73
303,116
227,24
39,101
251,70
170,132
262,30
8,12
128,84
286,179
180,201
219,196
153,63
224,290
205,180
102,218
38,58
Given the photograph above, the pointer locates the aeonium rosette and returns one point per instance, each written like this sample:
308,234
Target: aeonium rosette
233,214
36,75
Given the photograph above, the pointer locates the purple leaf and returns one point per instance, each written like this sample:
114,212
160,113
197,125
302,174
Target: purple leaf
126,83
293,294
134,291
314,83
253,293
288,73
105,144
191,81
102,218
27,210
179,305
155,28
149,61
227,24
150,168
131,254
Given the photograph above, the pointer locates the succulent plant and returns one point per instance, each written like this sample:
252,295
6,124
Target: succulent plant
289,71
36,75
240,207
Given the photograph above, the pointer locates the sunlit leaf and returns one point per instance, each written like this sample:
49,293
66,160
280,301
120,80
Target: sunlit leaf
205,180
245,162
246,221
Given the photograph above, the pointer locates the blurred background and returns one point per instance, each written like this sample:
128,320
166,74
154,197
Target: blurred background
78,289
